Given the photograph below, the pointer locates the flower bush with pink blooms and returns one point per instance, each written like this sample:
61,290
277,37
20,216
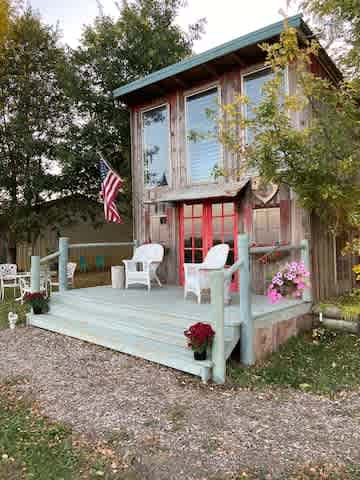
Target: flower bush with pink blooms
290,281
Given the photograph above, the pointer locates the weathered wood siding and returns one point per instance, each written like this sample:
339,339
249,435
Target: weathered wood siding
293,220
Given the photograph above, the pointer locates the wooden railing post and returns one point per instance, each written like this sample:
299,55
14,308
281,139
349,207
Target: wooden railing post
305,258
247,355
35,274
136,244
218,349
63,261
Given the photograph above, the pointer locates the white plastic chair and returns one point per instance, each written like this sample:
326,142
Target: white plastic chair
70,273
8,272
197,276
141,269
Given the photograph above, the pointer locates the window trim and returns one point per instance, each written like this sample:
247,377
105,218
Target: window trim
188,94
252,72
142,112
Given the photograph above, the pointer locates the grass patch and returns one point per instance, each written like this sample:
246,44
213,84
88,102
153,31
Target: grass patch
32,447
348,304
324,362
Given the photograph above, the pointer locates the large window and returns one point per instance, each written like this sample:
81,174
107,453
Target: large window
155,134
253,89
203,148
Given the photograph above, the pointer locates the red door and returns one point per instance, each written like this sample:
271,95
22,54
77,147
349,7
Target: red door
203,225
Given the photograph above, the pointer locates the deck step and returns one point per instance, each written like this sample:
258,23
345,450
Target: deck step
129,342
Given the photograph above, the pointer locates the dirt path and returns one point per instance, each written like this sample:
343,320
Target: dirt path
166,424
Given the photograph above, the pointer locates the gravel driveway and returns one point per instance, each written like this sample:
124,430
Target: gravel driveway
167,425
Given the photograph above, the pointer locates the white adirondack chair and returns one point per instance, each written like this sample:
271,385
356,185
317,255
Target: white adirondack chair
197,276
141,269
8,272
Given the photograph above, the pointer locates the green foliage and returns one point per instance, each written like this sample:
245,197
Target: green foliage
319,156
325,363
112,52
348,304
338,23
34,117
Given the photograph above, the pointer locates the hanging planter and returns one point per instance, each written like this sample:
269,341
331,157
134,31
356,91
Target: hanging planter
200,337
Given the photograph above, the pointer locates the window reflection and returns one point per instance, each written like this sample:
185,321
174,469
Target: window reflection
156,146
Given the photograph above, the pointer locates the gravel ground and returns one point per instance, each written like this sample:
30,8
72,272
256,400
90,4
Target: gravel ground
166,424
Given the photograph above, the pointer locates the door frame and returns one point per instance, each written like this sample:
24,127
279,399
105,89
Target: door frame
207,231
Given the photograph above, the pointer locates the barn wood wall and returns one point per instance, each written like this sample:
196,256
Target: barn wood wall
230,84
82,232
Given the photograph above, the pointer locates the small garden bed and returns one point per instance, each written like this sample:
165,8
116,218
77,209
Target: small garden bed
345,307
321,361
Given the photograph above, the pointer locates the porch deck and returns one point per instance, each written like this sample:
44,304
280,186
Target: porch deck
150,325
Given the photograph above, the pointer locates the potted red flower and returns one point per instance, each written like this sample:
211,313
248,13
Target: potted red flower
200,337
38,301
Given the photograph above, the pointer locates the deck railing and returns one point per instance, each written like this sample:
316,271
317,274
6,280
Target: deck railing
62,254
247,328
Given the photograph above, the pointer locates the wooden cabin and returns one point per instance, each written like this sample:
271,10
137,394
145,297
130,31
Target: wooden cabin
177,199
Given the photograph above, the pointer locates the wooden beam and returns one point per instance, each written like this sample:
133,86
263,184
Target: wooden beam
237,59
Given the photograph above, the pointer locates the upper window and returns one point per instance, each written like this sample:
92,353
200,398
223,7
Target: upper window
253,89
156,146
202,145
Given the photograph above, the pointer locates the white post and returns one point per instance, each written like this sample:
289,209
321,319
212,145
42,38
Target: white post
247,354
305,258
218,349
35,274
63,261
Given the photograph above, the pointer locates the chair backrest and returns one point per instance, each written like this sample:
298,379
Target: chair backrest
150,251
71,267
8,270
217,256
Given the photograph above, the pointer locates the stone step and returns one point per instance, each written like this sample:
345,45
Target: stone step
129,342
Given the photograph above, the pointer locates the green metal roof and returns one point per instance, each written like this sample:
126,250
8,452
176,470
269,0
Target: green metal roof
217,52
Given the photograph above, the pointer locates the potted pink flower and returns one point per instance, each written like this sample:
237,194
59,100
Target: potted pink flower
289,282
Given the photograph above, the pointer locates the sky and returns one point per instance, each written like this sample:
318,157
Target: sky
226,19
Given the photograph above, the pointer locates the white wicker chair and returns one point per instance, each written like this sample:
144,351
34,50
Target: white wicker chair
8,272
141,269
70,273
197,276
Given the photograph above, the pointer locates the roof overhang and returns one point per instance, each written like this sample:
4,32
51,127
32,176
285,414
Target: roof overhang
209,65
201,192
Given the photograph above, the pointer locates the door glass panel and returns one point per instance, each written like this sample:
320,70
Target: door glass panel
198,210
228,208
217,225
187,211
228,224
216,209
198,256
188,256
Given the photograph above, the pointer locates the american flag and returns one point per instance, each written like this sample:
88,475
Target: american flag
111,183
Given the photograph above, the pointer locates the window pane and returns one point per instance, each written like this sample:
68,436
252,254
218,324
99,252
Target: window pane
198,210
217,209
156,146
228,208
203,148
253,89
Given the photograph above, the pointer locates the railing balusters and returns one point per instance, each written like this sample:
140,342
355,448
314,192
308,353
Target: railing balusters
35,274
247,324
63,261
218,349
305,257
